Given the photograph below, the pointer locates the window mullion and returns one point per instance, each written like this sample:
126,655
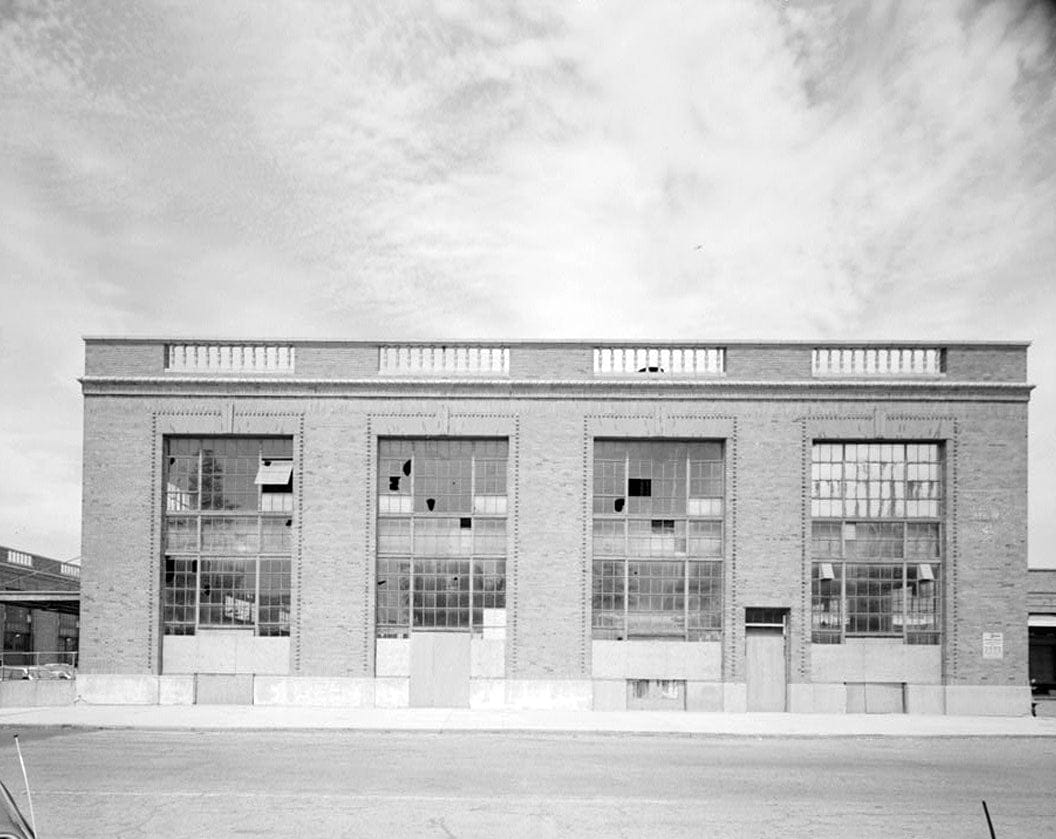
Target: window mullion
685,561
626,545
256,592
198,560
844,617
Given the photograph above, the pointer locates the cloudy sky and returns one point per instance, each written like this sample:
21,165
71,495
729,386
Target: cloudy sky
570,169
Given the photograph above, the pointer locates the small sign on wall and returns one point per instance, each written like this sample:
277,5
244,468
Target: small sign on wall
993,645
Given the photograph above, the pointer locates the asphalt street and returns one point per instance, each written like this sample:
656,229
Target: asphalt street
137,783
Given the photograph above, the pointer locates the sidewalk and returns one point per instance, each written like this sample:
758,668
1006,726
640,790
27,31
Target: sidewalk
579,722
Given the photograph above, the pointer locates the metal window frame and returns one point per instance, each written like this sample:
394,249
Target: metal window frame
200,515
626,517
415,515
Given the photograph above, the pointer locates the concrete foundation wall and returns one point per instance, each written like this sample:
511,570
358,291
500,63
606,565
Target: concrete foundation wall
117,689
37,693
314,691
977,700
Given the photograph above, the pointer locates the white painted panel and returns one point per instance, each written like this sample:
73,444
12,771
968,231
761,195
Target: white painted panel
699,661
487,693
317,691
392,657
117,689
265,655
218,650
391,692
550,694
876,660
440,665
765,669
487,658
179,654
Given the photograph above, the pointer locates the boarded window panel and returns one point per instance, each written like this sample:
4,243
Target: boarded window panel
274,473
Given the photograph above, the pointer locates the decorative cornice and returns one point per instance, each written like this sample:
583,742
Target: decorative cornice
617,388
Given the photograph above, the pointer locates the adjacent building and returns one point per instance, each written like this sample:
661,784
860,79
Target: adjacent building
39,608
1041,626
586,525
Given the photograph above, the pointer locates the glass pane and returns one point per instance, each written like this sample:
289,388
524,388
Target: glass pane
656,601
704,601
230,534
276,535
441,593
608,599
228,592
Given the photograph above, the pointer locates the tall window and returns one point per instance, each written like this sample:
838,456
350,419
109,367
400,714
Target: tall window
441,535
877,541
228,534
658,540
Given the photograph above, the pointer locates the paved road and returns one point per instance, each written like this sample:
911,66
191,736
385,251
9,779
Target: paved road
134,783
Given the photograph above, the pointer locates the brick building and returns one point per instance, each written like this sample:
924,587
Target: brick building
1041,626
735,526
39,605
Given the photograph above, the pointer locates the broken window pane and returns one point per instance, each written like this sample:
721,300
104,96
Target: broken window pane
441,502
640,539
248,480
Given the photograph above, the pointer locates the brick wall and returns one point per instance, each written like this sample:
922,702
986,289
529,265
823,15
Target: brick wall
748,362
990,496
335,447
120,565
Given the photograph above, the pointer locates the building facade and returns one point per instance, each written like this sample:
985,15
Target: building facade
736,526
1041,626
38,611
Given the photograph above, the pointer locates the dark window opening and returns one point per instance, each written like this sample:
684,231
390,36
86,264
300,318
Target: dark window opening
617,505
650,369
430,503
640,487
407,467
764,616
465,524
663,526
394,484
